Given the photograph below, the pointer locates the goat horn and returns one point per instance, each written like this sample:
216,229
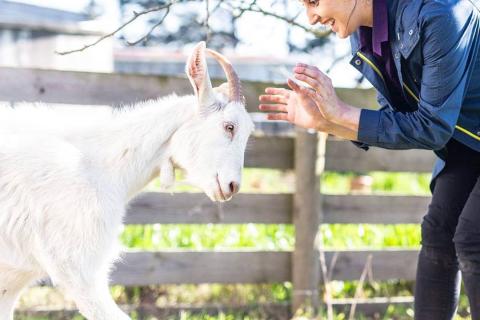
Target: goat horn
234,85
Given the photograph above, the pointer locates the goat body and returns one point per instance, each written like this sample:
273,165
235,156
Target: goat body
65,179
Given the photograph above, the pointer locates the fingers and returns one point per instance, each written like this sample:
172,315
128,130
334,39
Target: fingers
307,70
300,89
312,76
273,107
269,98
278,116
277,91
277,99
293,85
314,83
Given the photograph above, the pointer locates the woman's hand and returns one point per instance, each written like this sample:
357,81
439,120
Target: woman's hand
295,106
313,108
323,92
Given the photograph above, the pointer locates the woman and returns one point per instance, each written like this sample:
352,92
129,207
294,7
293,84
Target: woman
423,59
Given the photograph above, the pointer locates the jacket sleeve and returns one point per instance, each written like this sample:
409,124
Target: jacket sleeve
449,43
383,103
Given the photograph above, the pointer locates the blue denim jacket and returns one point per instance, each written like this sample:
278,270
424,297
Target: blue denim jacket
435,45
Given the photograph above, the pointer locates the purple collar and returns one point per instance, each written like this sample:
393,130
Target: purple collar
380,25
377,35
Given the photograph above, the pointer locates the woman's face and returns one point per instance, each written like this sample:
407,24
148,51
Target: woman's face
343,16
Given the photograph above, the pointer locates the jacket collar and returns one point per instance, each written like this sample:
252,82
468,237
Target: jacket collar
403,25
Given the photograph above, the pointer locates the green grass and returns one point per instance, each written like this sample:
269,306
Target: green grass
266,237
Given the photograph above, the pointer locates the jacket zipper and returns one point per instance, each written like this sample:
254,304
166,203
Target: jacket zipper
410,92
456,126
371,64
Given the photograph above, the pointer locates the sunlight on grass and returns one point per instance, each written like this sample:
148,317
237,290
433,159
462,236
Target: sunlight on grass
266,237
398,183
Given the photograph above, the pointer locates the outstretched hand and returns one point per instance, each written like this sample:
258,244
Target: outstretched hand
323,92
296,106
316,107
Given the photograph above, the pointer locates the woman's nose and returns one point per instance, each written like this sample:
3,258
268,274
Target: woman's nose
313,19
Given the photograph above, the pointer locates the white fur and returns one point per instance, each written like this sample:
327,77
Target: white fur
65,178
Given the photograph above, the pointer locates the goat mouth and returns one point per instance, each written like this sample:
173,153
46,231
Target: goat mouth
220,189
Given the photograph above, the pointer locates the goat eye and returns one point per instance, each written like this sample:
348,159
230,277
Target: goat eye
229,127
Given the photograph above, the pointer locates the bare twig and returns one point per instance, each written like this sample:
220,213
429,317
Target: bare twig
145,37
359,289
206,22
332,266
135,16
337,60
326,280
252,7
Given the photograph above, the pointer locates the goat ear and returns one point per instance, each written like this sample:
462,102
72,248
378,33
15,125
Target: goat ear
197,72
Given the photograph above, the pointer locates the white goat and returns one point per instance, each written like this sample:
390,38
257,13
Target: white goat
64,183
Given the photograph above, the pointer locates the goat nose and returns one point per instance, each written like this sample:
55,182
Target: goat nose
234,187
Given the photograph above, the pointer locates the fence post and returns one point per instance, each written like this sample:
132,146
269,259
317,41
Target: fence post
306,218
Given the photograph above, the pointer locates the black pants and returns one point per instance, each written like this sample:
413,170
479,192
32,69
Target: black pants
451,239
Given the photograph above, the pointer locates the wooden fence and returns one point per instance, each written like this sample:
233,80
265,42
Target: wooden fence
306,208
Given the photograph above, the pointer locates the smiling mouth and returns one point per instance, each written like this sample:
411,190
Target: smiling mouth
331,23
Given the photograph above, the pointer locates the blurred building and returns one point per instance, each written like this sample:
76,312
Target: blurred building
30,35
161,61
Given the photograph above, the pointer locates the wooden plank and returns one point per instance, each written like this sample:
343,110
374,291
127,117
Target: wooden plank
340,155
371,307
374,209
94,88
88,88
165,208
367,98
386,264
145,268
270,152
306,218
32,85
193,208
344,156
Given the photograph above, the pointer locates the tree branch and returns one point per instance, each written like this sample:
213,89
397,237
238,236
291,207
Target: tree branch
145,37
207,21
337,60
253,7
135,16
243,6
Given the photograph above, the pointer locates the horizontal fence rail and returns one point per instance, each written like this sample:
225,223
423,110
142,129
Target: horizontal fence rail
92,88
195,208
195,267
340,156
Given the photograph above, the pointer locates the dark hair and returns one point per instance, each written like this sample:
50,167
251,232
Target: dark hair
311,2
